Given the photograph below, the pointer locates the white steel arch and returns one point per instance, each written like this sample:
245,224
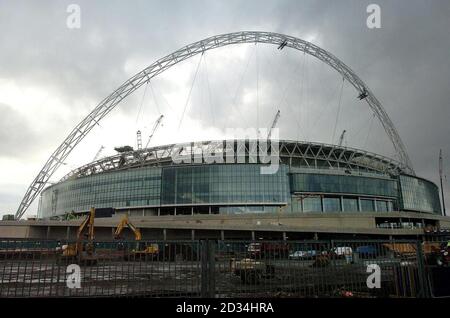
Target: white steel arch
132,84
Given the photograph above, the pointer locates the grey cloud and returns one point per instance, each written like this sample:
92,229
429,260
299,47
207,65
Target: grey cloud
405,63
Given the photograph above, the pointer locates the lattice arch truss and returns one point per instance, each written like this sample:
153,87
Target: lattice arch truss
106,105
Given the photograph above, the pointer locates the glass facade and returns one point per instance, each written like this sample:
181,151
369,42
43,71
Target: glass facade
367,205
331,204
326,183
419,195
170,186
343,203
350,204
312,204
223,184
235,189
136,187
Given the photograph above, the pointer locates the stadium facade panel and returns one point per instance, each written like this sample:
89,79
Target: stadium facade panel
310,178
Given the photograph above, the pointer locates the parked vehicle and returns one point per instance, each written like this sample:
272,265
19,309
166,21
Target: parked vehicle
342,251
251,271
268,250
303,254
367,251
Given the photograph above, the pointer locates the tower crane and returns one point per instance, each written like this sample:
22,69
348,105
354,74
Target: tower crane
97,155
139,140
155,126
341,139
440,177
274,123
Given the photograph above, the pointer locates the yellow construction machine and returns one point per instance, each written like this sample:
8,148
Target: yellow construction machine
82,251
141,251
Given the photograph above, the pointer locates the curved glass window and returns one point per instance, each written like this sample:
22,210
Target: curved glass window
350,204
223,184
326,183
419,195
312,204
331,204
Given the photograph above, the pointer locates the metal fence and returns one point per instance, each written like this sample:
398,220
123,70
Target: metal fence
223,269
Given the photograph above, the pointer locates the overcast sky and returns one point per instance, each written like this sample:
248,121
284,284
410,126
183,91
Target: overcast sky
51,76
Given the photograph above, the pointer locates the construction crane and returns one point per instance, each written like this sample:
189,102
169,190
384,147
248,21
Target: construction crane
442,186
139,139
97,155
155,126
341,139
274,123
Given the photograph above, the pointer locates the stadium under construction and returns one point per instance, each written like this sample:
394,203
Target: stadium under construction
171,192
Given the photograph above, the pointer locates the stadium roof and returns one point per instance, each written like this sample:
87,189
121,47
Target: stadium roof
294,153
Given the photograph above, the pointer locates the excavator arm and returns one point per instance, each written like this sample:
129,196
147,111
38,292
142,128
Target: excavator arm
88,222
126,222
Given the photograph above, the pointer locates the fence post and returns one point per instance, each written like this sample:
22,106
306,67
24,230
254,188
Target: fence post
204,268
208,277
211,269
424,291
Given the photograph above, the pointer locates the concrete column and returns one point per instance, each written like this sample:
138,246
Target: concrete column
165,234
253,235
316,236
68,233
192,235
222,235
284,236
159,211
209,210
48,232
175,211
192,210
143,212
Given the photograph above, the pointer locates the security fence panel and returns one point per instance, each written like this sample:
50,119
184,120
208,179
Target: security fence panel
437,266
221,268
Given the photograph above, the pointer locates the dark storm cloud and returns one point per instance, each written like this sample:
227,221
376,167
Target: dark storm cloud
405,63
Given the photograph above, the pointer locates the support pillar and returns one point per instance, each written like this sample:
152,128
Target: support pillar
284,236
222,235
164,234
253,235
193,235
68,233
48,232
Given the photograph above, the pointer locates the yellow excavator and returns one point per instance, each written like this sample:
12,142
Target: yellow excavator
141,251
82,251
